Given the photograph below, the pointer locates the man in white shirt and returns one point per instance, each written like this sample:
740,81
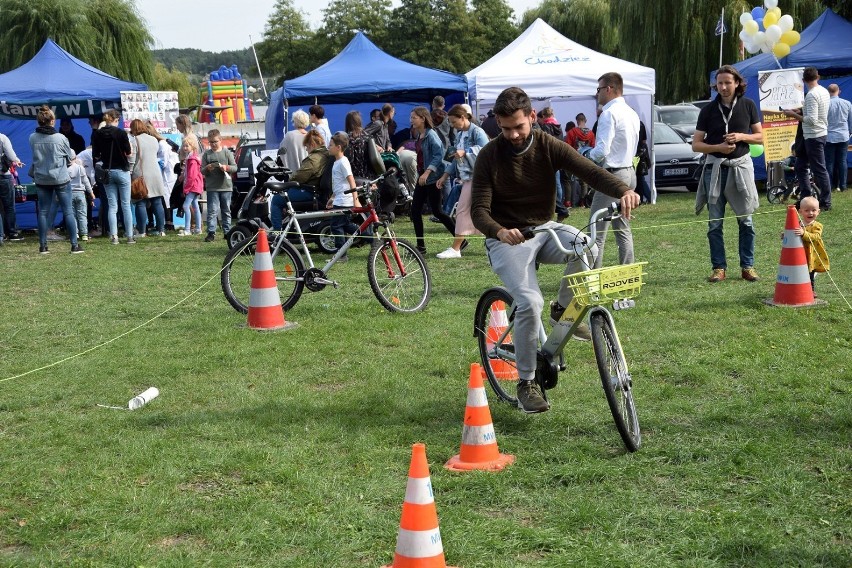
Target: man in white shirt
320,123
811,154
615,146
837,142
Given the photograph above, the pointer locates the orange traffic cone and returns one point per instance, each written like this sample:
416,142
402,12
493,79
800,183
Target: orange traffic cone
793,285
497,324
479,443
418,544
265,311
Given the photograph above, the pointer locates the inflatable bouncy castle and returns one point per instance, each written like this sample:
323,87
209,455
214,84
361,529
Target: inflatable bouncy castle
225,89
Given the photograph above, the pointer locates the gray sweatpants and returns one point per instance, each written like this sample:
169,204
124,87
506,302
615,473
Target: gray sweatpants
623,234
515,265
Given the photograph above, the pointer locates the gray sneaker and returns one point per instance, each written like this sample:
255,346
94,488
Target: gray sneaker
530,399
582,333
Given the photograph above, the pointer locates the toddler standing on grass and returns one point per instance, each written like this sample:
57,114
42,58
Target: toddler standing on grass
193,185
811,233
81,195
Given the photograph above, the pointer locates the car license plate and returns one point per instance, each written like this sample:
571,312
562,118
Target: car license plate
676,171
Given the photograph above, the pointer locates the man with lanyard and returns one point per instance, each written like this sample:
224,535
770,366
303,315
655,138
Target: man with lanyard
514,187
615,146
724,131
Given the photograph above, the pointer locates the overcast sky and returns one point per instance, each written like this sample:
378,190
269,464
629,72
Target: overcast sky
220,25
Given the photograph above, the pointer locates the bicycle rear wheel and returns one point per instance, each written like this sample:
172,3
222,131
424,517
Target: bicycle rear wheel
238,268
616,380
400,284
490,323
775,194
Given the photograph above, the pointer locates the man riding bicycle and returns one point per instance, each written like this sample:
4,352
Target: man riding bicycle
514,187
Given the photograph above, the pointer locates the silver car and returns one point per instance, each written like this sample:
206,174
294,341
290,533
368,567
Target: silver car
675,162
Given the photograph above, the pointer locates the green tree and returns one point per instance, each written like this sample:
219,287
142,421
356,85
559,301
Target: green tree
174,80
342,18
493,28
286,49
587,22
107,34
433,33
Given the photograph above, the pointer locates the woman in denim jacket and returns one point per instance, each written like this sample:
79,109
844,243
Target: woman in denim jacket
430,166
51,157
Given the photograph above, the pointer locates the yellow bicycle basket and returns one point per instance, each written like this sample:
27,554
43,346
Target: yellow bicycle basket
603,285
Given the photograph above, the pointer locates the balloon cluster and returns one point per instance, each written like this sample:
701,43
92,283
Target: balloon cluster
767,30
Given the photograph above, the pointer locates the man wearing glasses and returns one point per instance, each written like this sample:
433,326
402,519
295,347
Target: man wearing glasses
217,165
615,145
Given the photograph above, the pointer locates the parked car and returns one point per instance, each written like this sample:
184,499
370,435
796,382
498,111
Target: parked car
675,162
243,178
702,103
682,118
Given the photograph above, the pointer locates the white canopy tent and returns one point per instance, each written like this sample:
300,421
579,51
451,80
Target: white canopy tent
552,68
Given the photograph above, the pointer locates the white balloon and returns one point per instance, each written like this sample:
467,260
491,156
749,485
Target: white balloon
770,4
744,37
745,17
751,48
785,23
773,34
759,39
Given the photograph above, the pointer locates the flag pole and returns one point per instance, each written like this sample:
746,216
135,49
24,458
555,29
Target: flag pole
721,36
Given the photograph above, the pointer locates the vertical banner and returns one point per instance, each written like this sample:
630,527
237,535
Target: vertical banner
780,90
160,107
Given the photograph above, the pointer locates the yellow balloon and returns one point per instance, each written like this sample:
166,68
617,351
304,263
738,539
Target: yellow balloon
791,38
751,27
769,19
776,11
781,49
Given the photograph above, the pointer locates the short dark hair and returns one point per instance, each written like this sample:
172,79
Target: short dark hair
512,100
580,117
375,114
741,82
438,102
810,74
387,109
317,111
340,140
614,80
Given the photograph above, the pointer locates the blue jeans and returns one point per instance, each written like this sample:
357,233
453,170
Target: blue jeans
276,211
714,228
218,201
7,197
190,206
80,205
811,155
341,226
46,194
835,163
118,190
141,210
560,196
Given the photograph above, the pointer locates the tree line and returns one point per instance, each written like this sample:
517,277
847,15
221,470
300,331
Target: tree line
675,37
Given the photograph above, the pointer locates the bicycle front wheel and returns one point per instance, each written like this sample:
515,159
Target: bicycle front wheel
616,380
775,194
400,280
493,332
239,265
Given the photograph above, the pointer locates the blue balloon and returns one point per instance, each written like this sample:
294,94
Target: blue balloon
757,13
760,27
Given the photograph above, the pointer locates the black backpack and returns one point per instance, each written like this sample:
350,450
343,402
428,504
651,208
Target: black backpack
325,188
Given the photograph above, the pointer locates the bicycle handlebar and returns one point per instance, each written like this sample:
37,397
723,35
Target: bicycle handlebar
366,184
581,245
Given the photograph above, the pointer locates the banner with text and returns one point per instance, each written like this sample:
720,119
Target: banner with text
780,90
62,109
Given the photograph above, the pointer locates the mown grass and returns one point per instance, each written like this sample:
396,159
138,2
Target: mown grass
292,449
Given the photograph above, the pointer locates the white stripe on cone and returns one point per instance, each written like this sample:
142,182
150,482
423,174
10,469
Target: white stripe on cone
418,491
419,544
476,397
796,274
499,319
264,298
478,435
262,261
791,240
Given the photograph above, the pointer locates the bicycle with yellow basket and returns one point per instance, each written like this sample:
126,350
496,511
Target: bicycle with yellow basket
594,290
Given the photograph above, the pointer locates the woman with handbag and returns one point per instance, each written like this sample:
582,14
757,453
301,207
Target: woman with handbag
111,146
51,157
146,173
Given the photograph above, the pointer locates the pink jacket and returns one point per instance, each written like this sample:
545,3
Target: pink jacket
192,181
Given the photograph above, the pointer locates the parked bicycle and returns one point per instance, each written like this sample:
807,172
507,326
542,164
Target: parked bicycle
786,187
593,291
396,270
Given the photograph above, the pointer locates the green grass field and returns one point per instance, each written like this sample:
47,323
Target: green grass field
292,448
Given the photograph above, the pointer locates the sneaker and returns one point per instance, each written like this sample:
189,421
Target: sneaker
750,274
76,249
84,237
449,253
131,241
422,250
113,240
43,249
140,235
530,399
160,234
181,233
15,237
582,333
717,276
210,237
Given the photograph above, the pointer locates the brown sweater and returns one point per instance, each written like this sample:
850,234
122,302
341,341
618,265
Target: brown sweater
517,191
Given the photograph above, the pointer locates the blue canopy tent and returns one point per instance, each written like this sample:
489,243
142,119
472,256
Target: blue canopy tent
825,44
362,77
72,88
